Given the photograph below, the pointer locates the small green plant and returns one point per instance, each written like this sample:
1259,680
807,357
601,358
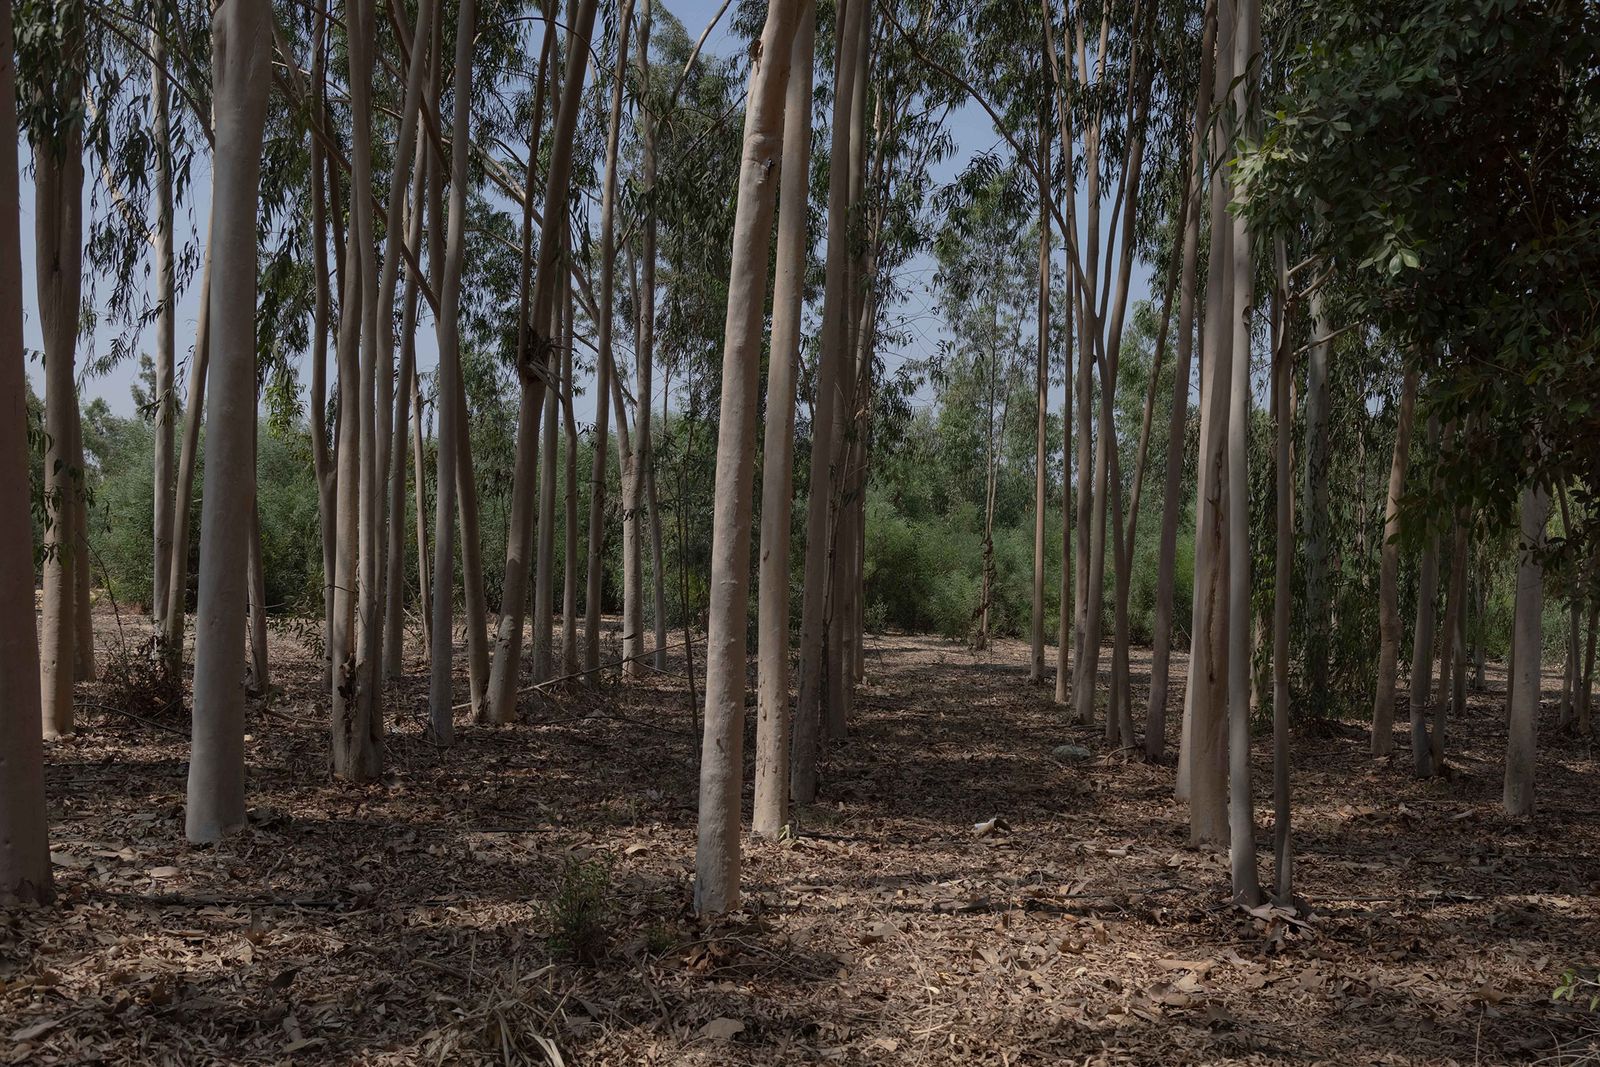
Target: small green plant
660,938
580,910
1578,989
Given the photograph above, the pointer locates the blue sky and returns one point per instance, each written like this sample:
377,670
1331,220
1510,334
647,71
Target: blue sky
969,125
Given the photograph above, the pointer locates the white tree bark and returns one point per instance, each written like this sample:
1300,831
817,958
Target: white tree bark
241,53
721,758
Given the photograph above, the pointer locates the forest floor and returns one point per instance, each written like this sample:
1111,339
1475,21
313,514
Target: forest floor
411,921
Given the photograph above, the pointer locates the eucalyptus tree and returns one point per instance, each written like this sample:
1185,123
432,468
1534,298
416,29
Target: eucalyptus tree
551,271
1389,574
241,53
721,763
24,846
771,811
812,697
53,56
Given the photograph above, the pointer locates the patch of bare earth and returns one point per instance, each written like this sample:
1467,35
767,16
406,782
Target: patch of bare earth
408,921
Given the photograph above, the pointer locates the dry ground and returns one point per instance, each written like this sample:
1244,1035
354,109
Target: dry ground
409,921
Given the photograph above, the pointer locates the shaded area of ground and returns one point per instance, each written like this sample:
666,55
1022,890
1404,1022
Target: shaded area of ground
408,921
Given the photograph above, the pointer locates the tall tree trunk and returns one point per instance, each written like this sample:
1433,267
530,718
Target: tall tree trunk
178,573
1422,641
166,407
83,668
544,573
1155,733
419,462
1283,577
721,762
449,477
1241,811
1586,689
324,202
395,557
241,52
58,270
602,434
1041,454
550,273
1527,660
810,697
1455,594
24,847
1389,575
771,811
569,478
638,459
1210,674
1315,510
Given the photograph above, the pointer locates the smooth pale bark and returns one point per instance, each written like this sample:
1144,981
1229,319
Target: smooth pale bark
324,192
356,732
24,847
1241,811
395,554
602,433
1206,742
1064,614
1389,575
771,812
548,279
637,460
166,401
1422,641
1314,486
1155,732
58,273
838,690
241,52
83,666
810,696
716,888
1041,453
1523,733
1572,672
452,404
474,598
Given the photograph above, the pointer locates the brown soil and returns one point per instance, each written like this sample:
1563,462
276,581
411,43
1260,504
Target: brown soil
410,921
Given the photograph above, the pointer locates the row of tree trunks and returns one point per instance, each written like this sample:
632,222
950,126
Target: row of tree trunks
832,374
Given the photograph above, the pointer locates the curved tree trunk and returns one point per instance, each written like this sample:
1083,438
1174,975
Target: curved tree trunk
716,887
24,847
241,53
1389,576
